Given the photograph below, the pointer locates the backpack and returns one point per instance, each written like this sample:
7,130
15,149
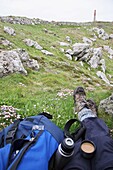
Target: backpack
29,143
32,143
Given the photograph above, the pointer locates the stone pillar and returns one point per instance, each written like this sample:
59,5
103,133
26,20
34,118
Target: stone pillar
94,15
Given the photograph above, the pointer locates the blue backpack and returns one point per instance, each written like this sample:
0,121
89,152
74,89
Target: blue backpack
29,143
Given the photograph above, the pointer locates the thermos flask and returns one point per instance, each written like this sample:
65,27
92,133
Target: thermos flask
64,153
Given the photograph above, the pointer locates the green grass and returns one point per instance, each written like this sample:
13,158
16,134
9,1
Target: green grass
37,92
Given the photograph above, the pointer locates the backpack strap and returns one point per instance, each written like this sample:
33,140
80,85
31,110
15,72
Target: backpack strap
12,132
22,152
49,116
78,133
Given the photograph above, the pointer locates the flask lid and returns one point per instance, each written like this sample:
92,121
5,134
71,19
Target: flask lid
68,145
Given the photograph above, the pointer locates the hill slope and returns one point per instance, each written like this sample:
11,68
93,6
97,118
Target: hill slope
50,88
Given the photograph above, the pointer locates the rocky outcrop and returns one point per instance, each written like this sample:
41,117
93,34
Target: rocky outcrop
83,52
14,61
21,20
107,105
102,34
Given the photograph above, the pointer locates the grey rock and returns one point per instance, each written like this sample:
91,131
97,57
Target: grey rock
101,33
15,61
31,63
68,56
103,65
87,40
10,63
103,77
5,42
69,51
9,30
95,59
80,49
47,52
32,43
111,36
62,50
68,39
109,50
64,44
107,105
93,39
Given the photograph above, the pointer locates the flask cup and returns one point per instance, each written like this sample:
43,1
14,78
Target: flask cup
64,153
88,149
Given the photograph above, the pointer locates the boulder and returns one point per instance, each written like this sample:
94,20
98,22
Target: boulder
107,105
96,57
64,44
109,50
80,49
101,33
103,65
32,43
68,56
15,61
9,30
111,36
10,62
103,77
87,40
5,42
47,52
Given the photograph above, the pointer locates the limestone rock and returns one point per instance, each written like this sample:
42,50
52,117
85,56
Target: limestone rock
68,39
47,52
109,50
68,56
95,59
10,63
14,61
31,63
32,43
69,51
103,66
9,30
111,36
64,44
103,77
107,105
5,42
80,49
101,33
87,40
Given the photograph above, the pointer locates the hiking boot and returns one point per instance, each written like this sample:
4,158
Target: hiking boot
92,105
79,96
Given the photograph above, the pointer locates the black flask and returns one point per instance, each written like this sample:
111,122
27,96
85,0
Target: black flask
64,153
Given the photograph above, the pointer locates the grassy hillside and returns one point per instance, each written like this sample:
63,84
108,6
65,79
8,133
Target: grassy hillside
38,91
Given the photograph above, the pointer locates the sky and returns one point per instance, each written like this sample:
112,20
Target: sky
59,10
